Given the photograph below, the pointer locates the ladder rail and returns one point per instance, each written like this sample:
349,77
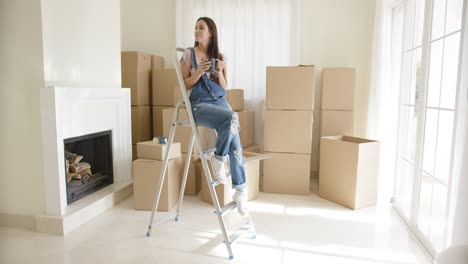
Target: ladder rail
162,174
184,178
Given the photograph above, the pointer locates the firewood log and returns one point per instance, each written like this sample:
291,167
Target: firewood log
73,158
74,176
69,177
77,158
77,168
67,166
88,171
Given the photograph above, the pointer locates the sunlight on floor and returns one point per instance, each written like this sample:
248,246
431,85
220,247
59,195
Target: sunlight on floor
354,252
288,232
348,215
266,207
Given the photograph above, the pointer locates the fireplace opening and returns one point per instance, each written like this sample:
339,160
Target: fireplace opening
88,164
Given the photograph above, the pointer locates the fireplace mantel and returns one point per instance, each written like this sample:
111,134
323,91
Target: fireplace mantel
70,112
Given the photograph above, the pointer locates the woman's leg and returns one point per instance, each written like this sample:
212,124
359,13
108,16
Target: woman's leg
237,164
225,121
238,176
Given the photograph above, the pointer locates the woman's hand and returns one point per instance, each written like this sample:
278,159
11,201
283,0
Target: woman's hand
220,65
203,67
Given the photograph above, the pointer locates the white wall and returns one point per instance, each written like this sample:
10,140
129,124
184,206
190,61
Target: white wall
21,76
48,42
81,43
338,33
149,26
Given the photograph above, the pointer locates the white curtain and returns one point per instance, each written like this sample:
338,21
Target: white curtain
383,97
252,34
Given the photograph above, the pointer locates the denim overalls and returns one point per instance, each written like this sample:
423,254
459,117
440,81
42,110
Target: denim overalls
210,109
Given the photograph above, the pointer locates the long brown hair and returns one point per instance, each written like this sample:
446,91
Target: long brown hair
213,49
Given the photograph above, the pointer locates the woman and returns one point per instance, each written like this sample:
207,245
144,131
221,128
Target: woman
210,108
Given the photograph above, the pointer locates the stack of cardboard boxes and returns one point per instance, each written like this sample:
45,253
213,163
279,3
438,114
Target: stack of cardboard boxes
348,165
155,92
136,75
235,98
288,129
163,86
165,95
146,173
336,113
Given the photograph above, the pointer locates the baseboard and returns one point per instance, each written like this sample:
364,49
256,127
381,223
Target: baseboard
18,221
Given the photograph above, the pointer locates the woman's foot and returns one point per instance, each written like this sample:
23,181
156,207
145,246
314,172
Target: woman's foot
219,170
240,197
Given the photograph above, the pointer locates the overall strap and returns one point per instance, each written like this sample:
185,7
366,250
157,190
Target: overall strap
194,58
195,65
204,89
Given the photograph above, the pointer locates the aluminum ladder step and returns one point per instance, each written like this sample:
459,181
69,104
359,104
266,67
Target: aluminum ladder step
239,233
228,208
207,153
182,123
216,182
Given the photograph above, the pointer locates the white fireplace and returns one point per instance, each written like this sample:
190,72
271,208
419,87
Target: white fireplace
68,112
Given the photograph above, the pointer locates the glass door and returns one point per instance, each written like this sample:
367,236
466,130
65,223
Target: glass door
430,34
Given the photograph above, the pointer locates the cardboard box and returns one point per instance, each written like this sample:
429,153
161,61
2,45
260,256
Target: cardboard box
235,98
290,88
338,88
158,120
246,127
177,96
255,148
141,124
333,123
349,169
252,170
193,184
287,173
146,178
288,131
225,191
164,82
134,152
155,151
157,63
136,75
183,134
252,148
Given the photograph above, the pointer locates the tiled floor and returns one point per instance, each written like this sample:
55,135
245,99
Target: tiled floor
290,229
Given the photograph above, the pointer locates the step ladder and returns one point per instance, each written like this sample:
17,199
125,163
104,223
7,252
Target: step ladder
221,212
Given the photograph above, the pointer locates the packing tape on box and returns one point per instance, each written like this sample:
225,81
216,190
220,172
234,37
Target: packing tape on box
160,140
